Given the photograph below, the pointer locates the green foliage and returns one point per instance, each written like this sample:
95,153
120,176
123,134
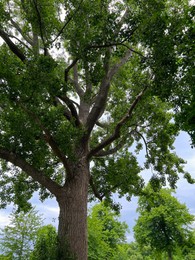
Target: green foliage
32,92
46,244
17,239
2,257
164,223
92,83
106,234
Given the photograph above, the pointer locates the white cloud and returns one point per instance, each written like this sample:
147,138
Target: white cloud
4,219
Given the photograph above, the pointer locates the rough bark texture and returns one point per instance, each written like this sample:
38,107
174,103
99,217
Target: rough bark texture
72,230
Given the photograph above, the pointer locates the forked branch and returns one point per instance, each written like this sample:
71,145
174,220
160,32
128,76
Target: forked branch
71,107
118,127
101,98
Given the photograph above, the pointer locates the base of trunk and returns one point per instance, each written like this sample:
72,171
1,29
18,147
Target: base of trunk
72,230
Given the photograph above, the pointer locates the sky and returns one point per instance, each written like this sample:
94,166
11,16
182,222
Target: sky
185,193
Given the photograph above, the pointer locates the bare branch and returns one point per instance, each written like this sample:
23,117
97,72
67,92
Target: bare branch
13,47
37,175
118,127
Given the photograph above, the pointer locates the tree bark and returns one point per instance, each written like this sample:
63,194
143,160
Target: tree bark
72,229
170,255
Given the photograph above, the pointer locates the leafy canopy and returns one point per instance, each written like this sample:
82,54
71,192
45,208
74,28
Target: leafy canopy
164,223
98,79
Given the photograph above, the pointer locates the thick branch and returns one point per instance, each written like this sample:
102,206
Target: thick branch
69,68
118,127
111,151
12,46
145,142
67,113
72,108
40,27
102,124
78,89
94,189
37,175
49,139
101,98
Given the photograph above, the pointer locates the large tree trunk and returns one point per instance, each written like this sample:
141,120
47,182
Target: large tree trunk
72,230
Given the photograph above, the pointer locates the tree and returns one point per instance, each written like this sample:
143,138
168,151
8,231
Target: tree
185,104
105,233
164,223
46,244
18,237
82,82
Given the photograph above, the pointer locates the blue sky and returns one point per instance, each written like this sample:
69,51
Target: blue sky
185,193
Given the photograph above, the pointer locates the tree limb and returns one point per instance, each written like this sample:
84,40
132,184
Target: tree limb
72,108
17,27
40,27
100,100
67,113
109,152
69,68
78,89
66,23
143,138
37,175
102,125
49,139
25,45
13,47
94,189
118,127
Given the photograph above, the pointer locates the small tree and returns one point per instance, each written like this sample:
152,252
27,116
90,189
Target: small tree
164,223
46,244
106,237
105,233
17,238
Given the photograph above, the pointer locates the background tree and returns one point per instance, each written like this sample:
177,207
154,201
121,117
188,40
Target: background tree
17,239
46,244
82,82
105,233
164,223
